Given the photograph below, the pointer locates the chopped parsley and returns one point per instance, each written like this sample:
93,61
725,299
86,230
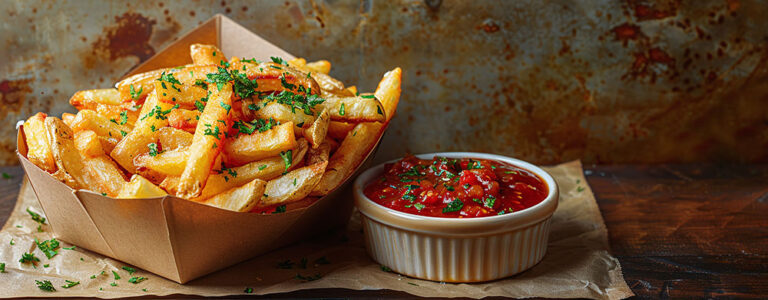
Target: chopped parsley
225,106
153,149
251,127
7,176
117,277
199,105
45,285
454,206
70,284
169,79
296,101
248,290
241,85
29,258
2,267
36,217
212,131
123,133
341,110
134,94
489,201
278,60
287,158
262,167
201,83
69,248
159,113
113,284
279,209
385,268
136,280
48,247
12,242
123,117
368,96
418,206
129,269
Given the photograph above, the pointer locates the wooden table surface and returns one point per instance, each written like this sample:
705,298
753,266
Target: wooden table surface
691,231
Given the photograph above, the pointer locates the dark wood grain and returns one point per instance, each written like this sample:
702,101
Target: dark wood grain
690,231
679,231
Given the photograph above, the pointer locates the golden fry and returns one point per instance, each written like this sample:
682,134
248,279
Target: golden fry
250,147
355,147
293,186
154,115
139,187
39,150
363,108
206,55
242,199
184,119
207,141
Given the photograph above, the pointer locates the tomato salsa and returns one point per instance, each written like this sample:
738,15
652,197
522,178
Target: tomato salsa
456,188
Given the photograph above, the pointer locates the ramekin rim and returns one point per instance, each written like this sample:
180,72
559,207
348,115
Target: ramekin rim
549,202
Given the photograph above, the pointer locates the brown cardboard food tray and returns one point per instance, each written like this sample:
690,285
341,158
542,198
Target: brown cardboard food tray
175,238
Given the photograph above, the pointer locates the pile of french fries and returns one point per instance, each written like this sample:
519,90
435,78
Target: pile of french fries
237,134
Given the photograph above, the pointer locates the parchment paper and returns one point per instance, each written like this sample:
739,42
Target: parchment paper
577,264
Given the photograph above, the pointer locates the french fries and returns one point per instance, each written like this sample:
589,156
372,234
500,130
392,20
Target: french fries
140,187
242,198
363,108
207,141
293,186
249,147
237,134
39,147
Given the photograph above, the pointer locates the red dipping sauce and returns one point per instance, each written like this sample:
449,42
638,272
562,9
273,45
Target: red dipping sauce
456,188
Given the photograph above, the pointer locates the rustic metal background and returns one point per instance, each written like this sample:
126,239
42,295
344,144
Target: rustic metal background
547,81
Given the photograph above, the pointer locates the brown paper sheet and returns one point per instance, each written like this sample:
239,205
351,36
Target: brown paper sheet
577,264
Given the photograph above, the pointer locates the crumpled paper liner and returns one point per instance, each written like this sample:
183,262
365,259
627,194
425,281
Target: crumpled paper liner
577,264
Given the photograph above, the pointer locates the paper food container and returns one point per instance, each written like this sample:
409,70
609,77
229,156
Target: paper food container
175,238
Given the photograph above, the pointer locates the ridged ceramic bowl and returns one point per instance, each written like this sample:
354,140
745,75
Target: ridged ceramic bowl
452,249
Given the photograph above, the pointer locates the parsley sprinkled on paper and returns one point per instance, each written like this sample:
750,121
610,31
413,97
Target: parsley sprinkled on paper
45,285
129,269
70,284
36,217
385,268
2,267
7,176
117,277
136,280
29,258
48,247
248,290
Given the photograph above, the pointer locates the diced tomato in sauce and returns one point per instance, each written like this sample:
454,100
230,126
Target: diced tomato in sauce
456,188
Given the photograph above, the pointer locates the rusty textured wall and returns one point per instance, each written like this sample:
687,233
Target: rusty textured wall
547,81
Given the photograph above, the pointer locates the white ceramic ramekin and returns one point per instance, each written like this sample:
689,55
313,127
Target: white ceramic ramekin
451,249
